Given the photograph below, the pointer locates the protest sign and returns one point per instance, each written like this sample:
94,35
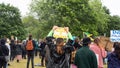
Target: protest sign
115,35
60,32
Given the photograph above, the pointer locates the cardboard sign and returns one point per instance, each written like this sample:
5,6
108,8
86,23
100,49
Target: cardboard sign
60,33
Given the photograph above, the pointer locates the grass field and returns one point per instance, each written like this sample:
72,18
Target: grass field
23,62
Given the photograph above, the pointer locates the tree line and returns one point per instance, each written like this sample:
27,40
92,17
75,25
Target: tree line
79,15
10,22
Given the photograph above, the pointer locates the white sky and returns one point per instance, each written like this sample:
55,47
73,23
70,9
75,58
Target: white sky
22,5
112,5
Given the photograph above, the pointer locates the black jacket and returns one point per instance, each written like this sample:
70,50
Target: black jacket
42,48
18,49
12,47
4,51
55,60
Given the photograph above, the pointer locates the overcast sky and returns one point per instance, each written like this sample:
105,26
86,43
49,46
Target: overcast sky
112,5
22,5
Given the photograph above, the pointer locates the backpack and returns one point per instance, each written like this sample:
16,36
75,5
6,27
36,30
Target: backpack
29,45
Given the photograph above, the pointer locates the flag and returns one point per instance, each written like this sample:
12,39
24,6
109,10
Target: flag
87,34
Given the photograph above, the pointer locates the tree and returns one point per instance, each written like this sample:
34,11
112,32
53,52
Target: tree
113,24
10,22
79,15
32,26
101,16
107,11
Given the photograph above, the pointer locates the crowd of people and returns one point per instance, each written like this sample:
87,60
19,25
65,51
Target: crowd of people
9,50
59,53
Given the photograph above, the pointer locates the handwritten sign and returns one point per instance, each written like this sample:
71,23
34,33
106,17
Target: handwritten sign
115,35
60,33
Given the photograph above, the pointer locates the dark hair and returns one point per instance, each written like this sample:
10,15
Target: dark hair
117,49
59,40
86,41
97,40
116,46
3,41
30,37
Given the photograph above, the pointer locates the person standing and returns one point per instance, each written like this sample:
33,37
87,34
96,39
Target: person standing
18,50
57,57
76,44
36,48
42,52
12,49
4,51
99,51
8,45
23,49
85,58
114,57
30,47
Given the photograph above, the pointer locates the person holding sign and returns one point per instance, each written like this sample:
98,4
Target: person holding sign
57,55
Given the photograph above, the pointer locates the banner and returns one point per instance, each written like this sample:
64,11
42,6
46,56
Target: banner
115,35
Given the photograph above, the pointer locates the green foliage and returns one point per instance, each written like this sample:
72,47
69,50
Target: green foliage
79,15
106,10
101,16
32,26
10,22
113,24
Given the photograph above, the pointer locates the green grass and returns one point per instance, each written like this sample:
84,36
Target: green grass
105,66
23,63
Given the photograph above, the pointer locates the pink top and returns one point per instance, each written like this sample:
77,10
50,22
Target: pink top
100,52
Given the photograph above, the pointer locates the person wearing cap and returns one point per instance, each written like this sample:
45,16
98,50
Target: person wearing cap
85,58
114,57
